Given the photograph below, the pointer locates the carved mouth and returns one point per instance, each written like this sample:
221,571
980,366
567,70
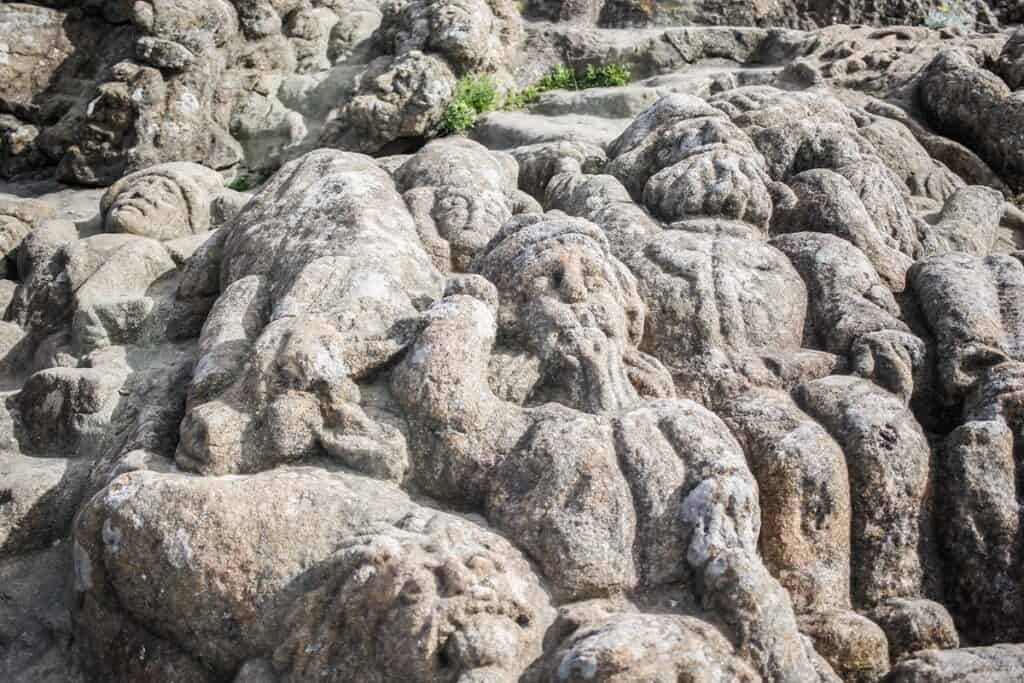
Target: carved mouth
121,209
135,207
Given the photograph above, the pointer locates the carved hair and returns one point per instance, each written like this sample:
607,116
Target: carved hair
525,238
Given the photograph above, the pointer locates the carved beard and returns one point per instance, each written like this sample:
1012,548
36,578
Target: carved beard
591,368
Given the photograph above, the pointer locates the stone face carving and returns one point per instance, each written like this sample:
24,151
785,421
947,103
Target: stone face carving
161,103
237,83
638,470
717,377
167,201
460,195
448,595
400,96
643,646
729,314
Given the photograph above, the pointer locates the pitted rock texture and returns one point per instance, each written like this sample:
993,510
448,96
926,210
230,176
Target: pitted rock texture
712,376
97,90
795,13
436,595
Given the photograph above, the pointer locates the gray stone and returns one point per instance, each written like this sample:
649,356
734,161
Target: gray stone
998,664
888,458
35,620
403,564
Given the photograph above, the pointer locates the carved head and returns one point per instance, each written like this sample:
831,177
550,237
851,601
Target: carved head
460,27
163,202
467,220
445,600
719,183
460,195
562,292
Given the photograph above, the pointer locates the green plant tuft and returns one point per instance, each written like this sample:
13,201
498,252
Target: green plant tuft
560,77
245,182
458,118
607,76
478,91
517,99
475,94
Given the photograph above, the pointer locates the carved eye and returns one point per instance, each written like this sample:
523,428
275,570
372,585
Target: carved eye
557,277
454,201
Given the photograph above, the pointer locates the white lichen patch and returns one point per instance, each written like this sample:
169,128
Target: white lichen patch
178,550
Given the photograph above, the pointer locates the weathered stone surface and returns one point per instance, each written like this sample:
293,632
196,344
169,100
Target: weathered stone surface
35,621
715,374
915,625
471,34
641,647
794,13
970,306
1009,64
828,203
854,646
65,411
315,597
34,47
889,464
983,536
396,100
969,223
974,106
999,664
17,220
805,497
852,311
40,497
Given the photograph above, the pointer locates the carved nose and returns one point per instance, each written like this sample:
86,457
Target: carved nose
574,289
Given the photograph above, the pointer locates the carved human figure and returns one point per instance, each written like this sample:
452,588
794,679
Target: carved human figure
380,589
741,322
321,279
460,194
163,105
169,201
595,470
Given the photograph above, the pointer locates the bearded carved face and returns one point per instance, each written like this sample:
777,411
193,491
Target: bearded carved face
573,303
150,206
572,307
